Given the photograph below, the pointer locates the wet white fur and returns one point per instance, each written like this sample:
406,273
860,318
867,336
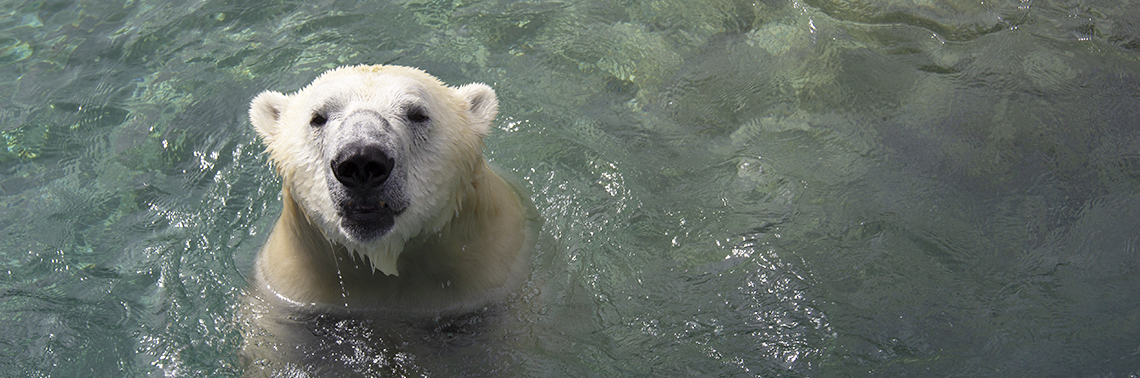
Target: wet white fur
465,236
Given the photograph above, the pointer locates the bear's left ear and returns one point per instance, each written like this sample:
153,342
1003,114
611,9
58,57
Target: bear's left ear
483,104
264,112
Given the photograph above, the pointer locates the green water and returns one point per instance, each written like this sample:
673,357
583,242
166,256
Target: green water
826,188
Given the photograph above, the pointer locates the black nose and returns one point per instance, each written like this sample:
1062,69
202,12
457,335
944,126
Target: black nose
362,166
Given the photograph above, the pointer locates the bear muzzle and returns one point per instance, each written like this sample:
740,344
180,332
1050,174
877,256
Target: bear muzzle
365,178
364,172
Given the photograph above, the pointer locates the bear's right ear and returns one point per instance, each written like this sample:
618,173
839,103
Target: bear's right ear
264,112
483,104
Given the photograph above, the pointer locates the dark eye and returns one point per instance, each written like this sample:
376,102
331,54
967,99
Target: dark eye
318,120
417,114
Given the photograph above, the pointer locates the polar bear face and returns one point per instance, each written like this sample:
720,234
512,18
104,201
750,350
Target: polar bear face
375,155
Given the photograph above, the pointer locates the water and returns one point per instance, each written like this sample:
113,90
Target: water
729,188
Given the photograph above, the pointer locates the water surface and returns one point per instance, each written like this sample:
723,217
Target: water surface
729,188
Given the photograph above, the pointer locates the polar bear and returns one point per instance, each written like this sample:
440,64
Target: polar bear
388,202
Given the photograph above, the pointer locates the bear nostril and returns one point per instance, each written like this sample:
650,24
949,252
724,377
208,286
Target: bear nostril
362,167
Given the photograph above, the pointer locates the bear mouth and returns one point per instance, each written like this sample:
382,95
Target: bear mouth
366,221
351,209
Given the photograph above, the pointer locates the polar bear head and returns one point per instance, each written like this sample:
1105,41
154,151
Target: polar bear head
375,155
